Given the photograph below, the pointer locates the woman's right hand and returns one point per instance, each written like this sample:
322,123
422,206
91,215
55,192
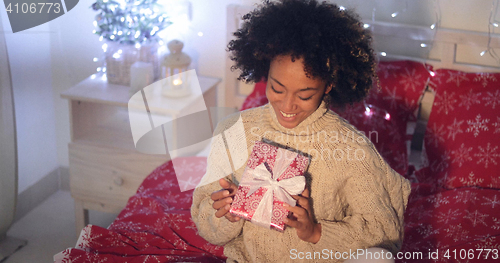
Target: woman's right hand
223,200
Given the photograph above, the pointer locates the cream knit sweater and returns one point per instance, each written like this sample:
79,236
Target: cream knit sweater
358,199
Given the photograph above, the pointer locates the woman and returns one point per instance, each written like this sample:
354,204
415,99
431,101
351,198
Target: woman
312,55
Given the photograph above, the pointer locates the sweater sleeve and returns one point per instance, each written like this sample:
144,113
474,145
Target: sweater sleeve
217,231
376,198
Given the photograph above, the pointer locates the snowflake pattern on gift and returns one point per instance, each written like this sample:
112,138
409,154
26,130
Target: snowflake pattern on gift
492,99
495,182
409,79
487,155
457,77
484,78
279,214
253,201
476,217
471,180
445,102
469,99
461,155
477,125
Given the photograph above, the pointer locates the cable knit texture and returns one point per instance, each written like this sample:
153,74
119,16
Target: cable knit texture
358,199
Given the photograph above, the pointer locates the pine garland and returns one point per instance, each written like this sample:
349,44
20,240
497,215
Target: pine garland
130,21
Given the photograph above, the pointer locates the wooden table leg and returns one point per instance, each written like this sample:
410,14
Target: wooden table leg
81,216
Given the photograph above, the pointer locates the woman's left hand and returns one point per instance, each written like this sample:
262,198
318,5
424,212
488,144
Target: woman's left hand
303,220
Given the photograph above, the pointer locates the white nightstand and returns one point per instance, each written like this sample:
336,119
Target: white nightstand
105,168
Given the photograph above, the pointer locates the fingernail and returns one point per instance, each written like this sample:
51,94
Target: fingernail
228,200
226,193
227,207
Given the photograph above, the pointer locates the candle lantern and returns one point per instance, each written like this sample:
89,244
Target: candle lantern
174,68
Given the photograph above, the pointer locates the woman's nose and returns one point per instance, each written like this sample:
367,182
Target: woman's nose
289,103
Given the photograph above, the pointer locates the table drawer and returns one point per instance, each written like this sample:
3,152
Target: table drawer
108,175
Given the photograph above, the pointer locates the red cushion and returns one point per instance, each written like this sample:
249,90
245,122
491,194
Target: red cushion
257,97
461,141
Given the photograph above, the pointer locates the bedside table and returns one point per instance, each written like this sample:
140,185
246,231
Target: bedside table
105,168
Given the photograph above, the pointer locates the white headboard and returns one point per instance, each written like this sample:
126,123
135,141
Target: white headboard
446,48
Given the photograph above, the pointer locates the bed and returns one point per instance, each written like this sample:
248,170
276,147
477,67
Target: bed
434,120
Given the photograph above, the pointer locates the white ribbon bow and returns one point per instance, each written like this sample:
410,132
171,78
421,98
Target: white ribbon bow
283,189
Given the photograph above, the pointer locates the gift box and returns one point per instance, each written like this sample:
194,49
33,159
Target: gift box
271,177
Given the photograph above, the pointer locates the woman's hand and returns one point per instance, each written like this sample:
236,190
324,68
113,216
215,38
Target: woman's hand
223,200
303,220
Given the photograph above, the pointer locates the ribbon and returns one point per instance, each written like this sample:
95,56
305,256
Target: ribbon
283,189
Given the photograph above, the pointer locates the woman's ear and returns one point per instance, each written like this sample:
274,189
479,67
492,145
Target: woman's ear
329,88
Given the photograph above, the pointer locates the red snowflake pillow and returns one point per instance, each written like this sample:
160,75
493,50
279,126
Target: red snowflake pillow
461,140
401,83
257,97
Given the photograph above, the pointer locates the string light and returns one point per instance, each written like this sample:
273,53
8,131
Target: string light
366,25
98,69
96,59
92,76
394,14
432,73
423,45
482,53
387,116
137,45
383,54
200,34
433,26
342,8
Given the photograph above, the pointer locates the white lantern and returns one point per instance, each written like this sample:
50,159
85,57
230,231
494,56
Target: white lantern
174,67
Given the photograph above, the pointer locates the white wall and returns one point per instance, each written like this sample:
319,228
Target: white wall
50,58
30,65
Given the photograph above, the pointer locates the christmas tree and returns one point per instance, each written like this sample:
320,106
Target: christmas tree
130,21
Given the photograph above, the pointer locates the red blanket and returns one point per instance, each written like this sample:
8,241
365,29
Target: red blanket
155,226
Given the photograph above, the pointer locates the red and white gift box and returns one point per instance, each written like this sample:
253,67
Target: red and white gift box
271,177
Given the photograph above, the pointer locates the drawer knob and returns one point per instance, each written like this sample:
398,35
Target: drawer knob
118,181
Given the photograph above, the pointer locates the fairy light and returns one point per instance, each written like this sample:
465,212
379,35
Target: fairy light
366,25
99,69
103,69
137,45
96,59
104,47
383,54
387,116
423,45
95,23
432,73
482,53
394,14
368,111
101,38
342,8
433,26
92,76
112,37
200,34
495,24
94,31
116,56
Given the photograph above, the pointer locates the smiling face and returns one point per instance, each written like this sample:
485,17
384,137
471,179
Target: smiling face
292,94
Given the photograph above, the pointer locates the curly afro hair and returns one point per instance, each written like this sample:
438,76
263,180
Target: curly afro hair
332,43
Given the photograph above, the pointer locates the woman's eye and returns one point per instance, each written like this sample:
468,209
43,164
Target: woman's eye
279,92
305,98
